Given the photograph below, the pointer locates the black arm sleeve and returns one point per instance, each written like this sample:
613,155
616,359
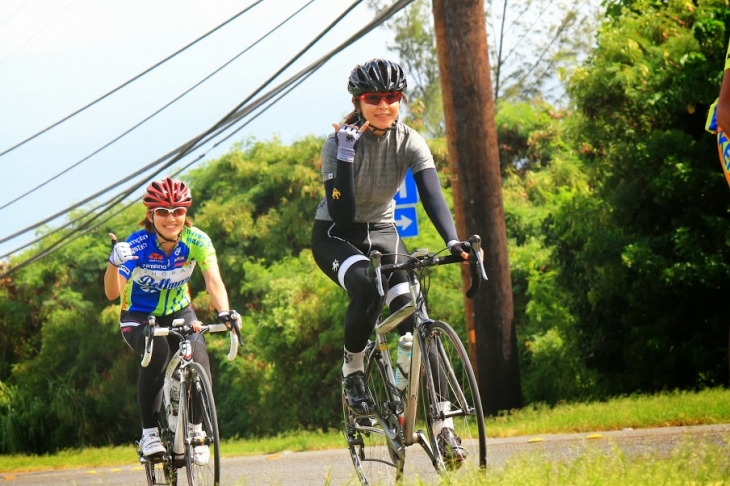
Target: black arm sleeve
432,198
340,193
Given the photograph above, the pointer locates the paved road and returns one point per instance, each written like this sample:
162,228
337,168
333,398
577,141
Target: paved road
334,467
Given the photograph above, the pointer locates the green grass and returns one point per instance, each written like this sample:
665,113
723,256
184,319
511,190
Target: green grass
689,464
710,406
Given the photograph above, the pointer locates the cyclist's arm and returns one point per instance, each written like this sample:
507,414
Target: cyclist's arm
339,184
113,282
216,289
432,198
340,193
723,102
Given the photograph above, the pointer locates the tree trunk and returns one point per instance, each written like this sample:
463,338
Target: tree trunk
461,39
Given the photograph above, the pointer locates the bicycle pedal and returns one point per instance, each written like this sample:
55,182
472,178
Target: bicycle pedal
366,422
155,459
355,441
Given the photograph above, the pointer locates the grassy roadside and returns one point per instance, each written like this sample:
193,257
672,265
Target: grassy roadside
710,406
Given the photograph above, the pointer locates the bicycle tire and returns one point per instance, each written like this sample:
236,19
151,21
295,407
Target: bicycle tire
199,404
460,390
375,459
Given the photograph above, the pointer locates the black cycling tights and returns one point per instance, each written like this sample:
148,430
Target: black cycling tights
152,377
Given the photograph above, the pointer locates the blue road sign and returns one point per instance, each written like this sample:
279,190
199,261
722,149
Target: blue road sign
407,194
406,221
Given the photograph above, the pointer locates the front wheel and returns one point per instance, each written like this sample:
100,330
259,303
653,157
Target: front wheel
200,426
451,398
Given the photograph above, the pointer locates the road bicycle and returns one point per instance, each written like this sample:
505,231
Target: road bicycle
192,404
441,383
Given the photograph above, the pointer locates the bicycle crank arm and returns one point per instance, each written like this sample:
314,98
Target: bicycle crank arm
390,436
435,460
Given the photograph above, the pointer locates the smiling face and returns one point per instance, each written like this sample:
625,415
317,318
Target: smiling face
169,223
380,109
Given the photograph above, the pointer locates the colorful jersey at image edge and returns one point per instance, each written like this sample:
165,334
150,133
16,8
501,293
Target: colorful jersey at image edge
723,144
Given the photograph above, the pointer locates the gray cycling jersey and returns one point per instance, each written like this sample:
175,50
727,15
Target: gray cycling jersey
379,169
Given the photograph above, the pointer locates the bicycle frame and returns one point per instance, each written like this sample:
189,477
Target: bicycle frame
178,439
416,306
409,415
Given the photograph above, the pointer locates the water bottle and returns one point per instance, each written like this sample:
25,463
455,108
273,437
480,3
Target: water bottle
403,362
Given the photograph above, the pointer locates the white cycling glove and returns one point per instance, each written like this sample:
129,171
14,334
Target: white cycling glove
121,253
347,137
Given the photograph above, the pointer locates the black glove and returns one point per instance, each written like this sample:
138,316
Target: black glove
229,318
456,247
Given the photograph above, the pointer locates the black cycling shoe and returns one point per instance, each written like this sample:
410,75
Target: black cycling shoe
452,451
357,394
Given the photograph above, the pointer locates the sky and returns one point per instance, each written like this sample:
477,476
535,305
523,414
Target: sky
57,56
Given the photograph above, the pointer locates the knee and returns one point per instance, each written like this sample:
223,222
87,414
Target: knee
364,293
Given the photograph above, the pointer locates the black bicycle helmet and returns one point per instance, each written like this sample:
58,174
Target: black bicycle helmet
376,76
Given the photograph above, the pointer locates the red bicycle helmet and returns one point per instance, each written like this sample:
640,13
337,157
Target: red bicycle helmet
167,193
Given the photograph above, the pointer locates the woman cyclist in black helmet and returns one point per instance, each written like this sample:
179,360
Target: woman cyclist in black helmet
364,162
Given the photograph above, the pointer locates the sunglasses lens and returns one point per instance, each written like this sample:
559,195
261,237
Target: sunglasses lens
391,98
376,98
164,212
372,99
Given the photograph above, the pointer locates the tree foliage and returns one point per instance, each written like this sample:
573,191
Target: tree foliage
645,258
617,216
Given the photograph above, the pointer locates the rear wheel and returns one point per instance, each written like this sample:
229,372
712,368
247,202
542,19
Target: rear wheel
377,459
199,408
450,393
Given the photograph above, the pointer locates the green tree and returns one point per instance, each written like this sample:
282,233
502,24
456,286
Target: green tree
644,257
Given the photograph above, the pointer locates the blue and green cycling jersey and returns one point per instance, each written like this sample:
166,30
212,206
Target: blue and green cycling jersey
157,284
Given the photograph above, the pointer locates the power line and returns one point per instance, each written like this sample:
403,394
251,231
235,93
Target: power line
19,144
212,132
206,78
84,229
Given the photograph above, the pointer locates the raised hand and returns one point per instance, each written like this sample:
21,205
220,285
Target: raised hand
121,252
347,137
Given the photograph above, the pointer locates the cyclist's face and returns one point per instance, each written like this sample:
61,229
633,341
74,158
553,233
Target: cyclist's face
167,223
380,116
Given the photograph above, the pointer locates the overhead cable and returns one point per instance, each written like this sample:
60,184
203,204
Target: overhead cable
19,144
222,125
9,203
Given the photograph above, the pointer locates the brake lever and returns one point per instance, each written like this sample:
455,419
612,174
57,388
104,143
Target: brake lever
236,325
476,268
476,244
374,270
149,333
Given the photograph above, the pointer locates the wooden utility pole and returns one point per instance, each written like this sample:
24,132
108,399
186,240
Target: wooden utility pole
461,41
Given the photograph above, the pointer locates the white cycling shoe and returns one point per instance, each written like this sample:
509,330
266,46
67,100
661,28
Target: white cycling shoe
151,445
201,453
